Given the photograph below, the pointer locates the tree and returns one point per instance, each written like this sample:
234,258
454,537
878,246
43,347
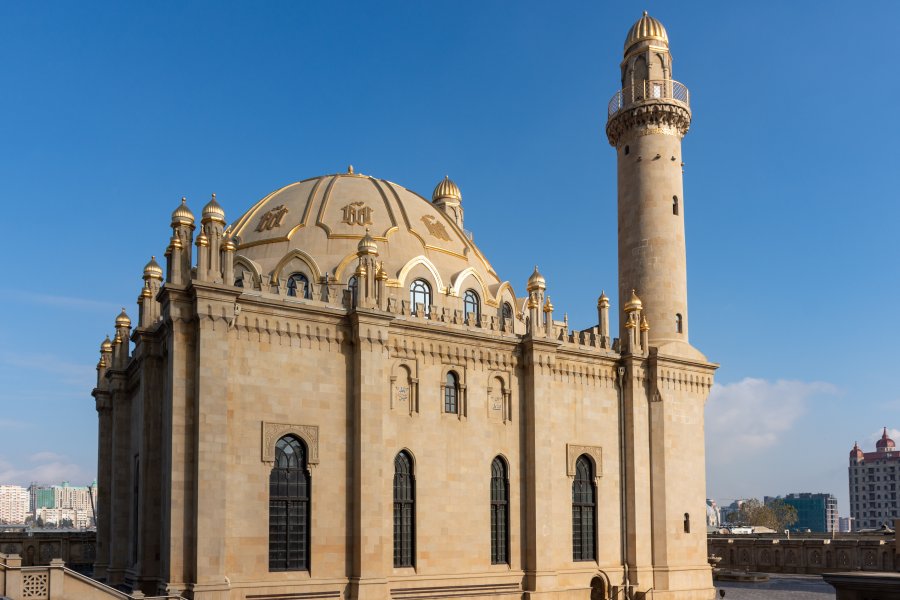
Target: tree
776,515
39,522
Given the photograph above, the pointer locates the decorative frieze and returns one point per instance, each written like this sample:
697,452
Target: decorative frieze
573,451
271,432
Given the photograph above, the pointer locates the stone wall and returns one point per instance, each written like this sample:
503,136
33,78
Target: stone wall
778,554
75,548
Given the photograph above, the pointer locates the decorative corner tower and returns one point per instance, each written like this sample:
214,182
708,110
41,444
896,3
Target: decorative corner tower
646,120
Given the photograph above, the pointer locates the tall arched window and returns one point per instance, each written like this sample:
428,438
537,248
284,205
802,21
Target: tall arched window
289,515
298,281
471,304
420,295
499,513
353,286
451,393
404,511
507,313
583,507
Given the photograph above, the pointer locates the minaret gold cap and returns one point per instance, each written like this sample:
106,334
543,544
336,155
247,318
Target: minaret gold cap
106,346
446,189
646,28
548,306
633,304
213,211
182,215
602,301
645,325
152,270
367,245
123,320
536,281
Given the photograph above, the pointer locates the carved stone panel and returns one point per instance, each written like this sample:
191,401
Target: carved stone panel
573,451
271,432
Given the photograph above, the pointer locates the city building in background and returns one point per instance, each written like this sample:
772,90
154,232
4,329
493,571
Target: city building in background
338,395
13,504
730,515
713,514
873,484
815,512
845,524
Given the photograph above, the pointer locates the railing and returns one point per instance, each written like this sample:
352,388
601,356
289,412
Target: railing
652,89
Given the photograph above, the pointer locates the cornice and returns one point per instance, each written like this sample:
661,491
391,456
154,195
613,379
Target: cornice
656,116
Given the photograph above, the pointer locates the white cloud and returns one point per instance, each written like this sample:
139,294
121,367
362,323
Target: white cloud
64,302
749,416
44,467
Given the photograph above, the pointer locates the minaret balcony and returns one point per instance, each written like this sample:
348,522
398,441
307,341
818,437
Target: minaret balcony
649,91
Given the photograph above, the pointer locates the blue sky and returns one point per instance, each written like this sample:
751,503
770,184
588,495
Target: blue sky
109,113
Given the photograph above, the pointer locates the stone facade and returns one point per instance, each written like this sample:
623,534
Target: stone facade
806,555
300,319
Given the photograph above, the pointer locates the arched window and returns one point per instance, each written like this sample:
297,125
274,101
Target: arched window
353,286
583,507
289,515
679,323
499,513
507,313
451,393
298,281
404,511
420,295
471,304
674,205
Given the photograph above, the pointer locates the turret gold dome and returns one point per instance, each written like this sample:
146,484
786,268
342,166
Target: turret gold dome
536,281
123,320
548,306
182,215
106,346
367,245
213,211
634,303
152,270
446,189
646,28
602,301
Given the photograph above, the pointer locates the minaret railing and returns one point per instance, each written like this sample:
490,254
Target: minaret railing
648,90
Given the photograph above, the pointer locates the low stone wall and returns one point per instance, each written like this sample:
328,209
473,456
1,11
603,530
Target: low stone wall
76,548
774,554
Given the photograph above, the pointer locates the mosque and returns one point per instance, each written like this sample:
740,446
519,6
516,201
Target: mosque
335,396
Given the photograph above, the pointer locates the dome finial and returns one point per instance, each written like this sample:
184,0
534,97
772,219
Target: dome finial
645,13
446,190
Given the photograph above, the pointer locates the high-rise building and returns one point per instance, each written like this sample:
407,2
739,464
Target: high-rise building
338,396
13,504
873,484
816,512
845,524
40,496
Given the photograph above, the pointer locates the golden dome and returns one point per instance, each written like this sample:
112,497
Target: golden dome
106,346
536,281
202,240
228,245
446,189
213,211
146,293
645,325
381,274
548,306
646,28
367,245
182,215
101,364
633,304
602,301
152,270
123,320
176,242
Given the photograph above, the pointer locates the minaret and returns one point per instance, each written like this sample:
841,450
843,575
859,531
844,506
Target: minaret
646,120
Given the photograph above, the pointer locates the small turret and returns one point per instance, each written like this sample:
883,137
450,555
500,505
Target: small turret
448,198
178,253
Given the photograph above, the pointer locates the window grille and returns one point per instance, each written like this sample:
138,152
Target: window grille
289,515
420,295
298,281
451,393
404,511
499,513
583,511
